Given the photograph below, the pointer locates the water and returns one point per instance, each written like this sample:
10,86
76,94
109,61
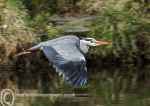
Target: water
128,85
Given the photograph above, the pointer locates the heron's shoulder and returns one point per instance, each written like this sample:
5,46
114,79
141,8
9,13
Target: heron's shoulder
72,37
61,40
67,39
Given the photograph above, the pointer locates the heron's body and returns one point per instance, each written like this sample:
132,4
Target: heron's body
67,55
67,58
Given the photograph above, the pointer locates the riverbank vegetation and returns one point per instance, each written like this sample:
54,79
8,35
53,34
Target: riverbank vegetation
125,24
14,33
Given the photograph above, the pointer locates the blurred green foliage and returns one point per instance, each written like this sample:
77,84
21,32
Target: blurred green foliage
125,24
121,29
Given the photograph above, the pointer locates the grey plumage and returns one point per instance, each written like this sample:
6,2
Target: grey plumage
66,55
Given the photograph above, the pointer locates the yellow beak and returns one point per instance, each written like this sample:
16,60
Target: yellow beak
102,43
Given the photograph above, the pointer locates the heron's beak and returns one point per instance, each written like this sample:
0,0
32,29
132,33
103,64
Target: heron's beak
101,43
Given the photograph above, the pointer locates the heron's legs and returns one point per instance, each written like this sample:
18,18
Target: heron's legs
23,52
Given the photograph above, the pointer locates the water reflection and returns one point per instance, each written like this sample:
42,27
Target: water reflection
107,86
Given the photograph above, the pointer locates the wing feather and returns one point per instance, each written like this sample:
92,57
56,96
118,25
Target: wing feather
67,59
73,70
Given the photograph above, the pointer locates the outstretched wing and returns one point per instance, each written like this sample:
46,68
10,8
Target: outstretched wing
68,60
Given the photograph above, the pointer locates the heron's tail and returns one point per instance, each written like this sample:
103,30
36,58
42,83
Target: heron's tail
34,48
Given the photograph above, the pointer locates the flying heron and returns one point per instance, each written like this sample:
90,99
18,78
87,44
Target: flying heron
67,56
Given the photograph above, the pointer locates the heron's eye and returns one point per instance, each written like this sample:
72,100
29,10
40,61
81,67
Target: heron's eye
92,41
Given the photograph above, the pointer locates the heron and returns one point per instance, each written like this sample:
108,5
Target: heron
67,56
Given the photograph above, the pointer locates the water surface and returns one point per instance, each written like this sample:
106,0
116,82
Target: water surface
128,85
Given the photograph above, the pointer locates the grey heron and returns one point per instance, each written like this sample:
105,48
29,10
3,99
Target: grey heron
67,56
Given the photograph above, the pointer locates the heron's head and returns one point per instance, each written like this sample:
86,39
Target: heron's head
92,42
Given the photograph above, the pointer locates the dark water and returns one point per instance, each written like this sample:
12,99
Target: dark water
128,85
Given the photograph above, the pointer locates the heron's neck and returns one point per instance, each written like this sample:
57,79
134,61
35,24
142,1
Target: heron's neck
84,47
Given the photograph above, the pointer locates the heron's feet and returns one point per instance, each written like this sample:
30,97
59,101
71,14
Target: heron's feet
23,52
